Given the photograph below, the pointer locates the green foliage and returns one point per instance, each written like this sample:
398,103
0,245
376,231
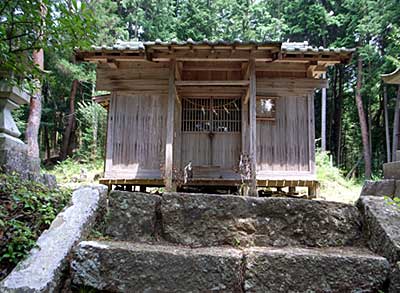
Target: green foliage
93,121
393,201
27,208
26,26
334,185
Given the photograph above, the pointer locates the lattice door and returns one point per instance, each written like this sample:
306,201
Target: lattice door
211,130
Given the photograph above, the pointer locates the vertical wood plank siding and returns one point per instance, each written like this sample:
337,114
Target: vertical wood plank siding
136,136
283,144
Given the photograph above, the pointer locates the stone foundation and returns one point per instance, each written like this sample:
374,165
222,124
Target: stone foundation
132,217
210,220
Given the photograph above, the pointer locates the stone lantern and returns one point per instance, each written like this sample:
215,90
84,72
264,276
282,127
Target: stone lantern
13,151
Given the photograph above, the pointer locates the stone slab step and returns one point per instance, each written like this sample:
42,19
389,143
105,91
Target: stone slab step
212,220
133,267
129,267
314,270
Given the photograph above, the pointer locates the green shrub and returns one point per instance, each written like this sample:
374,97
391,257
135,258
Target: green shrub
27,208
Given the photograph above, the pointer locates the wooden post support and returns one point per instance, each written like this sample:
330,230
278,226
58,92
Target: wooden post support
313,191
252,127
170,129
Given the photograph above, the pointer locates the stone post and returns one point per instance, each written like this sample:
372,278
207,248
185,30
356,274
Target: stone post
13,152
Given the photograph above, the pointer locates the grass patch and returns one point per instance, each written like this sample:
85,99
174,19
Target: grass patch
334,185
72,173
26,209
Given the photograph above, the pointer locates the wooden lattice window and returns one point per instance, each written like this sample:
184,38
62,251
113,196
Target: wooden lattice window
266,108
211,115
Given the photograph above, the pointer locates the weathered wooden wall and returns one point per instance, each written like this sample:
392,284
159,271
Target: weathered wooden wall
283,144
285,147
137,123
136,136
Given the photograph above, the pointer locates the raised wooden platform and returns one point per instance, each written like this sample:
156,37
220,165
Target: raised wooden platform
311,184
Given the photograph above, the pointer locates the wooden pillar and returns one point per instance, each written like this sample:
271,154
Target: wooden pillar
169,141
323,117
311,132
252,127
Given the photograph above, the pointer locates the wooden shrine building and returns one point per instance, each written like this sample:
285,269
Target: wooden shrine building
211,113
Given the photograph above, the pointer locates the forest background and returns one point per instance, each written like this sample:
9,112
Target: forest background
72,126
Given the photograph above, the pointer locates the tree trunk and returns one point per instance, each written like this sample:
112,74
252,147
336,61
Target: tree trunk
396,125
71,121
363,121
35,110
337,123
323,118
389,157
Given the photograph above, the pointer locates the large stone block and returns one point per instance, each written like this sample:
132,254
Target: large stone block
391,170
394,286
381,225
314,270
397,190
211,220
132,215
133,267
44,268
385,187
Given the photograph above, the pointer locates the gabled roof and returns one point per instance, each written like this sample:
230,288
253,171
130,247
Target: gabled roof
162,50
392,78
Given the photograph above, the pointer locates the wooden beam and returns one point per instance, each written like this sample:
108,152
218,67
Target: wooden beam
111,63
288,82
212,89
212,82
211,66
282,92
213,55
252,127
281,66
136,73
132,85
169,141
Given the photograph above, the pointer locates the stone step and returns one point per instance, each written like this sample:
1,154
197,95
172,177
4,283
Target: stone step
212,220
134,267
199,220
391,170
